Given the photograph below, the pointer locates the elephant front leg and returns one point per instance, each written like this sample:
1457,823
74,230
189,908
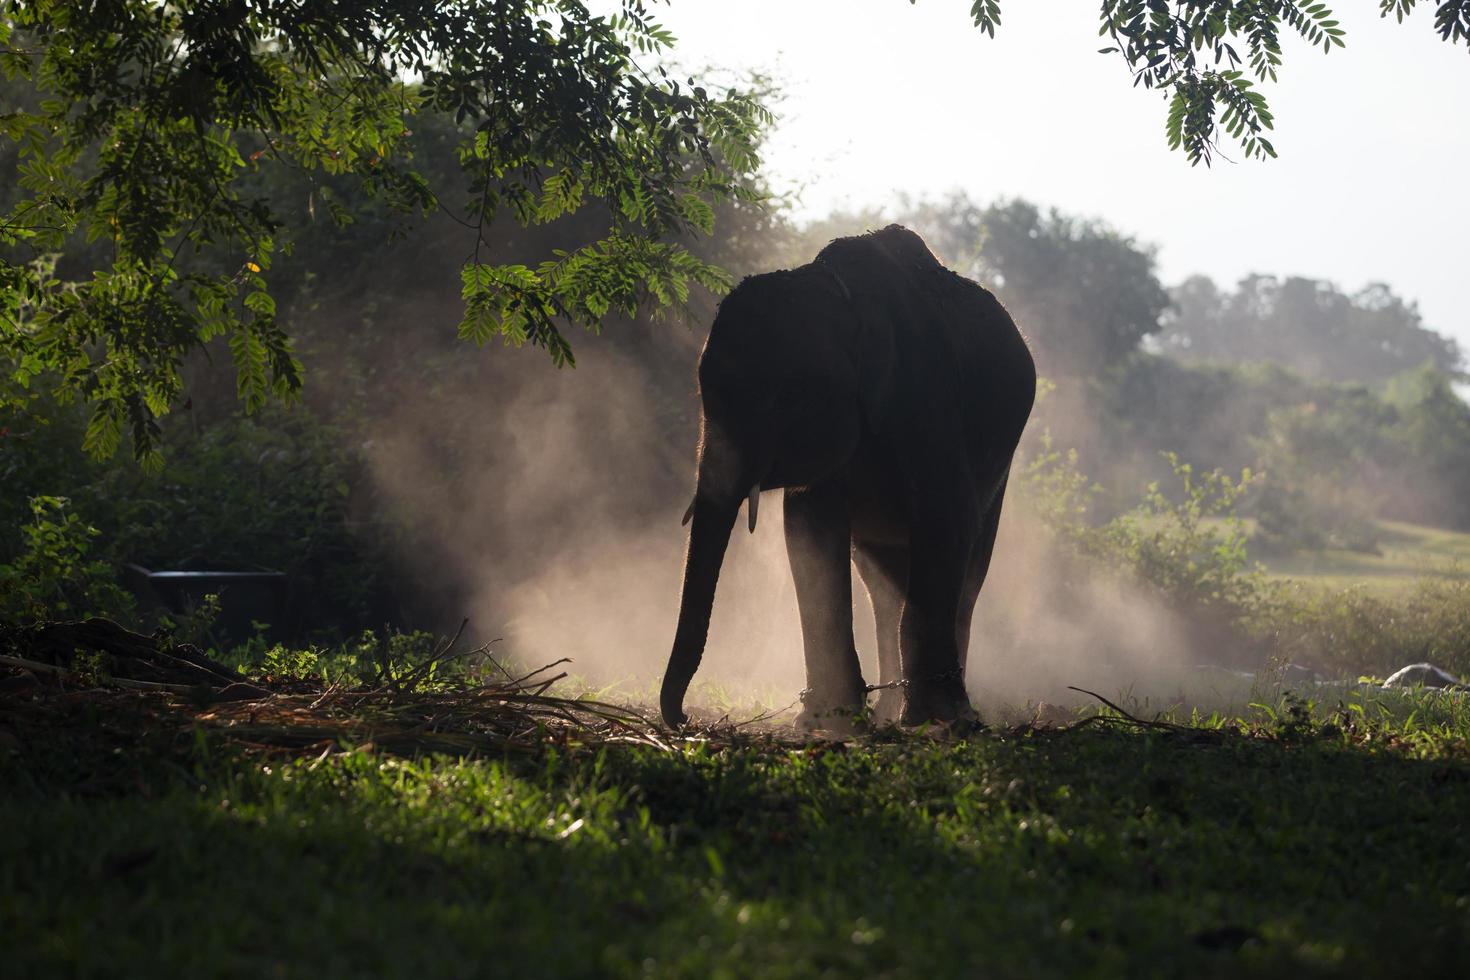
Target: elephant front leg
885,571
818,543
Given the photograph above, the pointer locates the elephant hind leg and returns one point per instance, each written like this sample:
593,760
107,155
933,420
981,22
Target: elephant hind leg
976,573
928,643
818,543
885,572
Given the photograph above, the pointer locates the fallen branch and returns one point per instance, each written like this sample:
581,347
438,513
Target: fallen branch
518,714
1124,717
134,656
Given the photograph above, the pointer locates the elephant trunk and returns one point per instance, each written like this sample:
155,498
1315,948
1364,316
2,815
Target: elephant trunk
728,471
714,518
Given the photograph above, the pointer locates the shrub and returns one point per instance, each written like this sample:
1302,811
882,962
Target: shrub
1193,547
1353,631
1190,546
54,576
386,659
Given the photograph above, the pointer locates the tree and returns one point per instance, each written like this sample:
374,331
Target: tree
1088,293
1083,293
150,115
1306,324
1192,48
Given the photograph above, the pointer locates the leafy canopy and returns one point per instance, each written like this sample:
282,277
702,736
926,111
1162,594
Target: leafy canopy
1211,54
149,115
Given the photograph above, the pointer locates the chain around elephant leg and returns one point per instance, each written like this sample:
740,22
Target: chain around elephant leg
938,697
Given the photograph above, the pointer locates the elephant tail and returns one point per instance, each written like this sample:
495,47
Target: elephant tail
713,519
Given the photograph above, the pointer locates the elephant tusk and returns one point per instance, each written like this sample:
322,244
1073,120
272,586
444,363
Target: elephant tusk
753,505
689,514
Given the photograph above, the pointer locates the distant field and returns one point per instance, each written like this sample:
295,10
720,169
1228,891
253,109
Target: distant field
1407,552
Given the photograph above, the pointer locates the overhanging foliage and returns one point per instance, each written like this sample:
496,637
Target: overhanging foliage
150,113
1212,53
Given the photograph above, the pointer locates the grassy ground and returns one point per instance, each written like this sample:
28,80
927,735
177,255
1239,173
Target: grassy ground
1408,552
141,839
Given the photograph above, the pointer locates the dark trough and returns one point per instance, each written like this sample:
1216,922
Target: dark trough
247,596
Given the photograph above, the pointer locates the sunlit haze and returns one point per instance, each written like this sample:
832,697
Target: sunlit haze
882,98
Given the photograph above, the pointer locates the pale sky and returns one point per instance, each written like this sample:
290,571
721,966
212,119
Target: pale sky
882,98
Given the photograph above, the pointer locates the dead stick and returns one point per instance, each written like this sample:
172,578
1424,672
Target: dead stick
522,680
1163,725
413,677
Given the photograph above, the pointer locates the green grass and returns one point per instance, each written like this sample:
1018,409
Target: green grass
1408,553
1296,844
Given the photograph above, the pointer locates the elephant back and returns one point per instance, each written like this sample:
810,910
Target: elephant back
945,373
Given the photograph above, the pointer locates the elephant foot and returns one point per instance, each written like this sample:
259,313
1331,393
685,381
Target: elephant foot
887,707
938,699
832,714
834,724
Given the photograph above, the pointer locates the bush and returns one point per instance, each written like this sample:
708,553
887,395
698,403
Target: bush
1190,546
1289,520
1193,548
1352,631
386,659
53,576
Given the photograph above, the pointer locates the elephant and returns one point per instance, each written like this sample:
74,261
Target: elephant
885,395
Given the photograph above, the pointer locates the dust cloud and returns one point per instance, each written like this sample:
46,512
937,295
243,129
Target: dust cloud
556,523
548,505
1046,622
